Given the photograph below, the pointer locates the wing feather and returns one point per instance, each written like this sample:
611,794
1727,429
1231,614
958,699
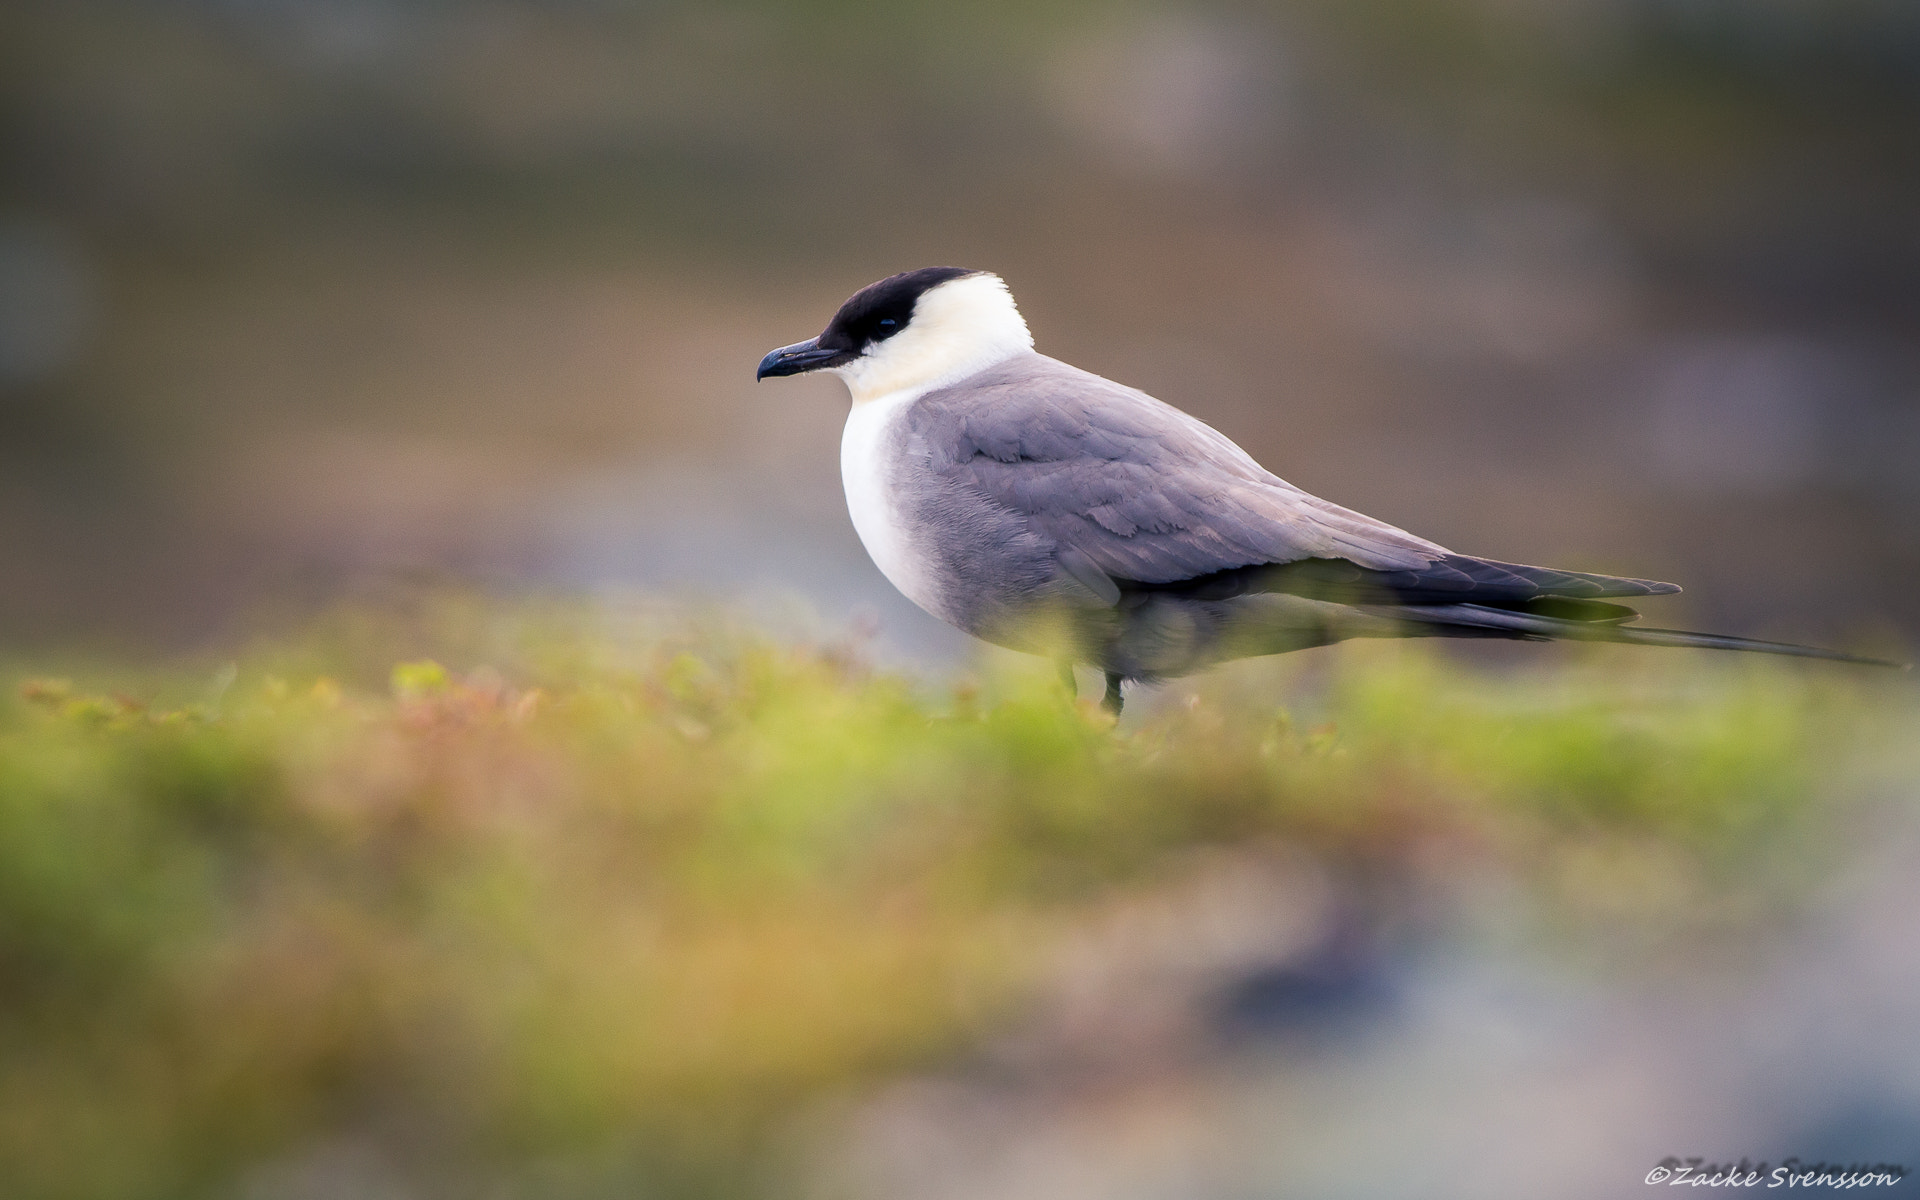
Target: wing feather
1153,499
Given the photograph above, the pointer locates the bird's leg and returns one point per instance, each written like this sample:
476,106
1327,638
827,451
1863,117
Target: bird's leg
1112,701
1066,677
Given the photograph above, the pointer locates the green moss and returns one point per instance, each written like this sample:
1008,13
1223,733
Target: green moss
626,893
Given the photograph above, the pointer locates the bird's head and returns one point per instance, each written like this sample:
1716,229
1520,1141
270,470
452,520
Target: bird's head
915,331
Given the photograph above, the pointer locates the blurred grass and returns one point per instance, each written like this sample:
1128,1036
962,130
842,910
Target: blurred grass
604,905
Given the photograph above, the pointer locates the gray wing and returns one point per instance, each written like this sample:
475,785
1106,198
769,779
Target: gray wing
1137,491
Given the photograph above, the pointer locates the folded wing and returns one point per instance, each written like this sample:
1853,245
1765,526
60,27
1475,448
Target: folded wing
1155,500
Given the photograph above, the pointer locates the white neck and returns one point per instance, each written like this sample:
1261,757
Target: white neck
958,329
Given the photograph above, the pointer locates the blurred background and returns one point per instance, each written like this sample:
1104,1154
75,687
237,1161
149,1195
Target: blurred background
299,294
300,299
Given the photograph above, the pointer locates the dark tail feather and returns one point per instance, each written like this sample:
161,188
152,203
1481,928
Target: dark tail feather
1473,620
1720,641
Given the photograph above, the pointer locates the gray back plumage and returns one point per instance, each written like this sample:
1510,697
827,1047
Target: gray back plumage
1119,491
1146,492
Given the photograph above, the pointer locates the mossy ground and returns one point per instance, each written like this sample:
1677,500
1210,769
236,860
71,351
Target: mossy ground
591,901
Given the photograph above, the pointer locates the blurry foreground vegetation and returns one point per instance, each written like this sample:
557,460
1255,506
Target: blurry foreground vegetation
609,901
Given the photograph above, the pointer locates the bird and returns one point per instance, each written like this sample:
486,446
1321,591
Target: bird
1047,509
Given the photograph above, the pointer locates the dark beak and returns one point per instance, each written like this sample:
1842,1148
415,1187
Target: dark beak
799,357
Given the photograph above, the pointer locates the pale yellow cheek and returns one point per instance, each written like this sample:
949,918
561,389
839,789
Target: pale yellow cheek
958,328
902,365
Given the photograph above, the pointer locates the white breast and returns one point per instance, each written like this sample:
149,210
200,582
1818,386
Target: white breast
866,467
